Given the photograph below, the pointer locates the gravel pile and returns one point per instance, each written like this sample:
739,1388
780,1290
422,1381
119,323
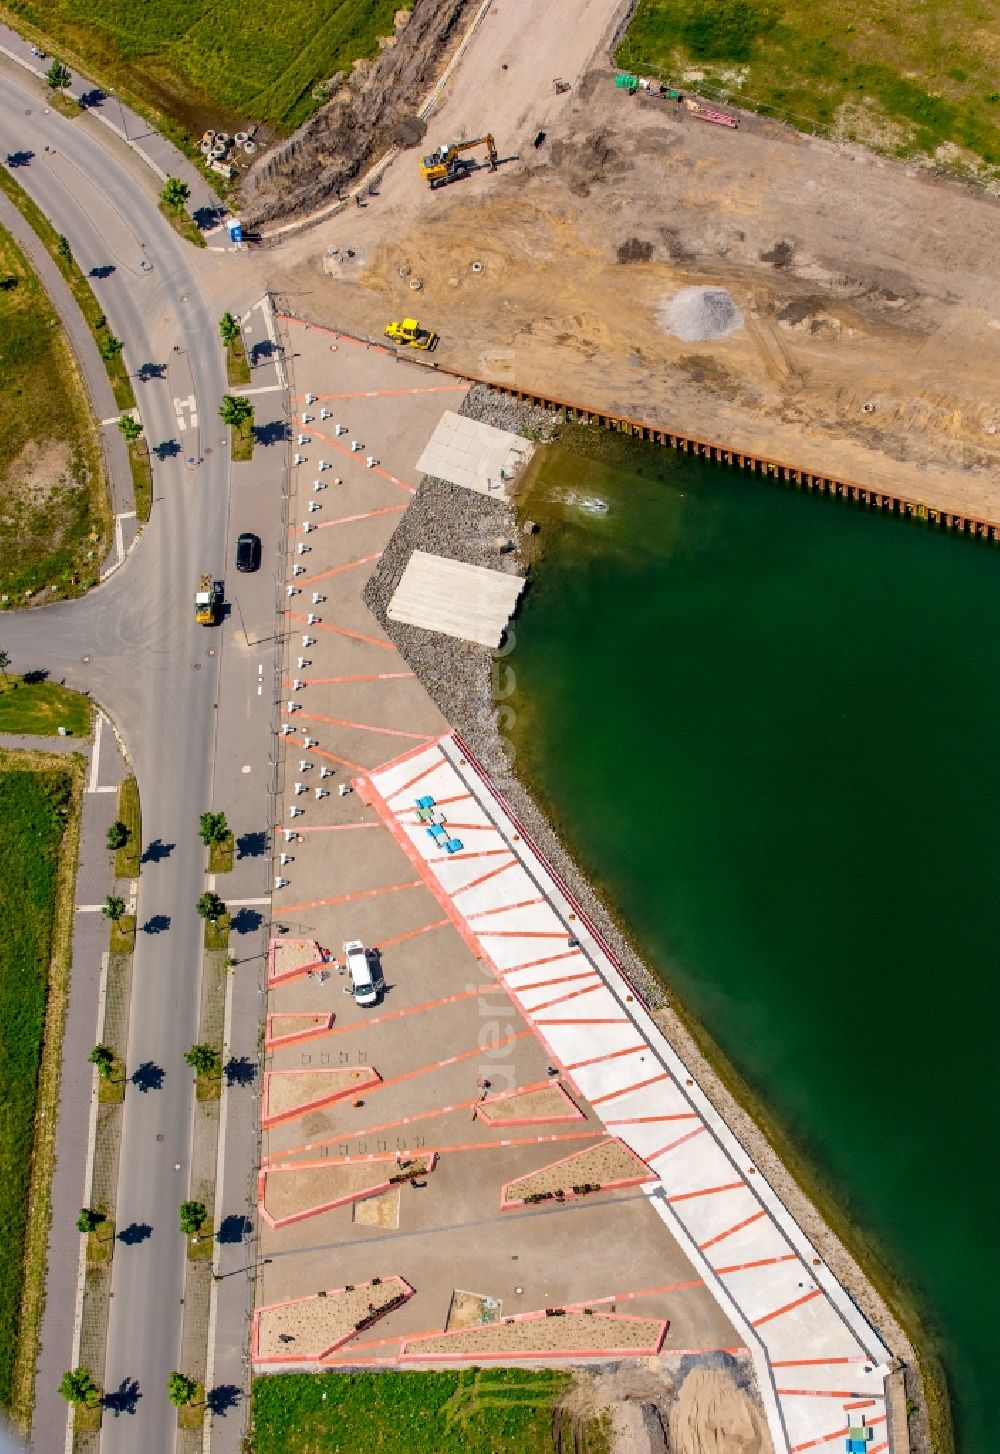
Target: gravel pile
697,314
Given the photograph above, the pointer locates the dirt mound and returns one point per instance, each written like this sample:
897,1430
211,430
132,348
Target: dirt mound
712,1416
370,113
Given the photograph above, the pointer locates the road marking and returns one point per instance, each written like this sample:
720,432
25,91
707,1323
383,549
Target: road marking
95,752
248,903
186,406
265,389
88,908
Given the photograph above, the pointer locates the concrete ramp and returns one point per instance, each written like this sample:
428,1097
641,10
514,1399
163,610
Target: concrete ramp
467,601
465,452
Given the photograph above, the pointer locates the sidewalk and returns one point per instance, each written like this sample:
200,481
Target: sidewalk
94,881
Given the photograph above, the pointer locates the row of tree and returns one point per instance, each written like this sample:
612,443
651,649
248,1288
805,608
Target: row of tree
78,1386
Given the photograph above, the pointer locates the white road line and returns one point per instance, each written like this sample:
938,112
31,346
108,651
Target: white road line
269,325
95,751
264,389
88,908
248,903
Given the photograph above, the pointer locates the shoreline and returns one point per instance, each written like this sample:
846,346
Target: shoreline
469,684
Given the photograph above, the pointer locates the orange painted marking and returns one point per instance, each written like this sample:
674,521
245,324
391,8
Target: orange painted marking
561,999
412,933
611,1020
474,853
500,1145
543,984
502,908
880,1448
736,1227
812,1362
452,1060
346,519
365,727
492,873
486,989
422,774
336,570
624,1297
348,898
365,676
360,459
321,752
837,1434
547,959
688,1136
455,798
387,393
761,1262
786,1308
599,1059
335,827
524,933
863,1403
639,1085
342,631
645,1120
707,1191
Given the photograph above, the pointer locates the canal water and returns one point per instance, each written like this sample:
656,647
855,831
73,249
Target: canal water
766,723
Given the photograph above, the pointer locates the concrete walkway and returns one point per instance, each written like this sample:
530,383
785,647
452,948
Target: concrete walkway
94,881
95,380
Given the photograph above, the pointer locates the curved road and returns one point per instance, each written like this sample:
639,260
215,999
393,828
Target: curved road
133,644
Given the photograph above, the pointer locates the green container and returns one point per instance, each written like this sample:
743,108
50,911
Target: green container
627,82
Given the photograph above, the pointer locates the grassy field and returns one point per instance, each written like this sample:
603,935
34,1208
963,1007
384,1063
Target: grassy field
216,64
54,511
910,79
40,708
478,1411
35,807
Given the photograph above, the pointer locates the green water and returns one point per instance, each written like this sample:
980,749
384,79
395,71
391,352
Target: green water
766,723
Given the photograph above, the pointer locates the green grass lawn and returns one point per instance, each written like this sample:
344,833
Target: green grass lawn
243,438
237,364
34,809
475,1411
127,858
54,512
907,78
206,64
142,477
40,708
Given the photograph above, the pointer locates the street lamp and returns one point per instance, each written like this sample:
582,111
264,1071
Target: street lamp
121,108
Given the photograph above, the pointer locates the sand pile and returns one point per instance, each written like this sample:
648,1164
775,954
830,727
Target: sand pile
696,314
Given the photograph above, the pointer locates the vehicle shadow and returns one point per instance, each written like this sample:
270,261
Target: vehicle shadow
156,924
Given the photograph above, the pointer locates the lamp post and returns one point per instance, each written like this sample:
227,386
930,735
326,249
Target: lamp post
121,108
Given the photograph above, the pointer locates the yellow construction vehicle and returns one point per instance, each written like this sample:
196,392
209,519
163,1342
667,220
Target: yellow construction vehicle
447,164
208,601
410,332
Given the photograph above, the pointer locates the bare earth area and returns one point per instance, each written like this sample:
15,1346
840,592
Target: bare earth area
868,342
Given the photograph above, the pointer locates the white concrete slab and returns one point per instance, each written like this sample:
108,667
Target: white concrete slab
474,455
455,598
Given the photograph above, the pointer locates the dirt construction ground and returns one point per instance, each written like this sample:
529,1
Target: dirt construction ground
870,342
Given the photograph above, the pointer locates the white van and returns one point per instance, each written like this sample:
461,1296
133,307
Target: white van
362,981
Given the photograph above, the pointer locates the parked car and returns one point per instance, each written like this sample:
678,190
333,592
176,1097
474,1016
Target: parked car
248,552
363,983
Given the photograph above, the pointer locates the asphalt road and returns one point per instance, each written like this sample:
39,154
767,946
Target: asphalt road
134,645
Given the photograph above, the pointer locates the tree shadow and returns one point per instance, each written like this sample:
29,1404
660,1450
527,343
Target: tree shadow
135,1233
89,99
156,851
240,1070
245,921
19,158
103,271
35,677
148,1076
205,218
222,1398
147,371
233,1229
156,924
261,352
166,449
125,1398
275,431
251,845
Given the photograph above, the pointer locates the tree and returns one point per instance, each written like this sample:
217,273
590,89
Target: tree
111,347
180,1389
64,250
175,193
131,428
4,662
113,908
229,327
210,906
192,1215
89,1220
204,1059
213,828
235,410
104,1058
78,1387
58,76
117,835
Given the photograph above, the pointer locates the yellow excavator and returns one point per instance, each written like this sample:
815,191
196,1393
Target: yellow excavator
409,332
447,164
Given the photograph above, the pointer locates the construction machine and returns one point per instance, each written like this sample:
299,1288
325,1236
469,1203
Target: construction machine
409,332
208,601
447,164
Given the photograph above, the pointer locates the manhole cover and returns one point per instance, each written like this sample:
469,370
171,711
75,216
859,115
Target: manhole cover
196,665
159,1136
85,658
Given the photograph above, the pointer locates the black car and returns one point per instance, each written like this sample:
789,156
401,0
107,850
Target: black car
248,552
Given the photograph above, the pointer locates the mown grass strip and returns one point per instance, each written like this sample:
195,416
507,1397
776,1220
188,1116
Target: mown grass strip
217,932
237,365
130,813
220,855
40,800
39,708
243,440
183,224
142,477
77,283
121,936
